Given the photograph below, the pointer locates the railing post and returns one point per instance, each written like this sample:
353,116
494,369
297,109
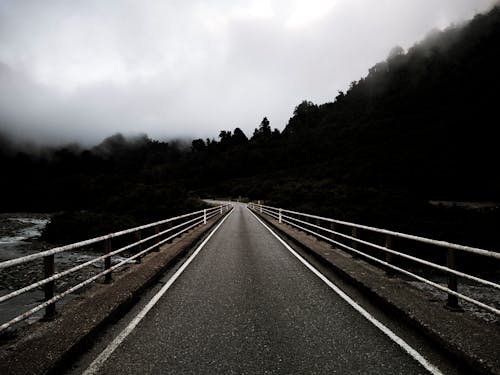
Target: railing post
205,216
221,210
332,235
354,243
138,237
157,239
280,216
170,224
306,223
260,208
48,271
388,256
107,261
452,302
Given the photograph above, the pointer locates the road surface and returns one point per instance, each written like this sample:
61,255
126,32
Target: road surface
247,305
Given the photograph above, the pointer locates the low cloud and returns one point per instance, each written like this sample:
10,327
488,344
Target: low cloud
83,70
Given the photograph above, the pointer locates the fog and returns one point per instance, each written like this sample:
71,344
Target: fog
80,71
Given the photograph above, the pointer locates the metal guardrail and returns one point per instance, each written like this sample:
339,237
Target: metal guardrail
327,229
175,226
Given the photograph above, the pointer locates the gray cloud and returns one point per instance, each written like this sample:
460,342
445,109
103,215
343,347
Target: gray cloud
82,70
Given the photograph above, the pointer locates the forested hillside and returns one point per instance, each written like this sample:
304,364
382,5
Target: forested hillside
420,127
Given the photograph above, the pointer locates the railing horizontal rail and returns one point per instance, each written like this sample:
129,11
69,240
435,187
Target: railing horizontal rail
60,249
385,249
179,228
408,273
302,221
73,246
449,245
92,261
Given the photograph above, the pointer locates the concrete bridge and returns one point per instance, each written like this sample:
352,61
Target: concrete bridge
255,290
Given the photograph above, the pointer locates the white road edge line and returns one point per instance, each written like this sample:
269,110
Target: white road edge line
99,361
398,340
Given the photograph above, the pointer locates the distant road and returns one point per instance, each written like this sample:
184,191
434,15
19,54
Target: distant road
246,305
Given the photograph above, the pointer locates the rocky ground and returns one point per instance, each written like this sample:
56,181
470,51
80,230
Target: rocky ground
487,295
19,233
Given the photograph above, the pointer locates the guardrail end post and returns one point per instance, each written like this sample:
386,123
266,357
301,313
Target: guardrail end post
108,278
48,271
452,300
388,256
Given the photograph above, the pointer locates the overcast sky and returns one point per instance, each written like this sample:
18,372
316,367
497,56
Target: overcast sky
83,70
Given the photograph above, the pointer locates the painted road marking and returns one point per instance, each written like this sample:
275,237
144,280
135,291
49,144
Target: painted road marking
99,361
398,340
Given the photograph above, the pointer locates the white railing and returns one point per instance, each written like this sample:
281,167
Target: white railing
328,229
162,231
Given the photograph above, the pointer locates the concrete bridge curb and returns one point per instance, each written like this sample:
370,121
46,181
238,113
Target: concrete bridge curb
48,347
474,343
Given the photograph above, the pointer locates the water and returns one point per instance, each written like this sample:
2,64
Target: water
17,233
33,229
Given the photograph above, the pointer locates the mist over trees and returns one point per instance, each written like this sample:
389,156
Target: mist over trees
420,126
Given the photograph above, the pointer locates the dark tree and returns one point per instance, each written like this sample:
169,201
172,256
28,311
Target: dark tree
239,137
198,145
263,132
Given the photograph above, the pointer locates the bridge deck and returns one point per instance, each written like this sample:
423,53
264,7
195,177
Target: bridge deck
247,305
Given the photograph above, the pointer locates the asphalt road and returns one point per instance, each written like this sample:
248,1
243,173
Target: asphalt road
246,305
